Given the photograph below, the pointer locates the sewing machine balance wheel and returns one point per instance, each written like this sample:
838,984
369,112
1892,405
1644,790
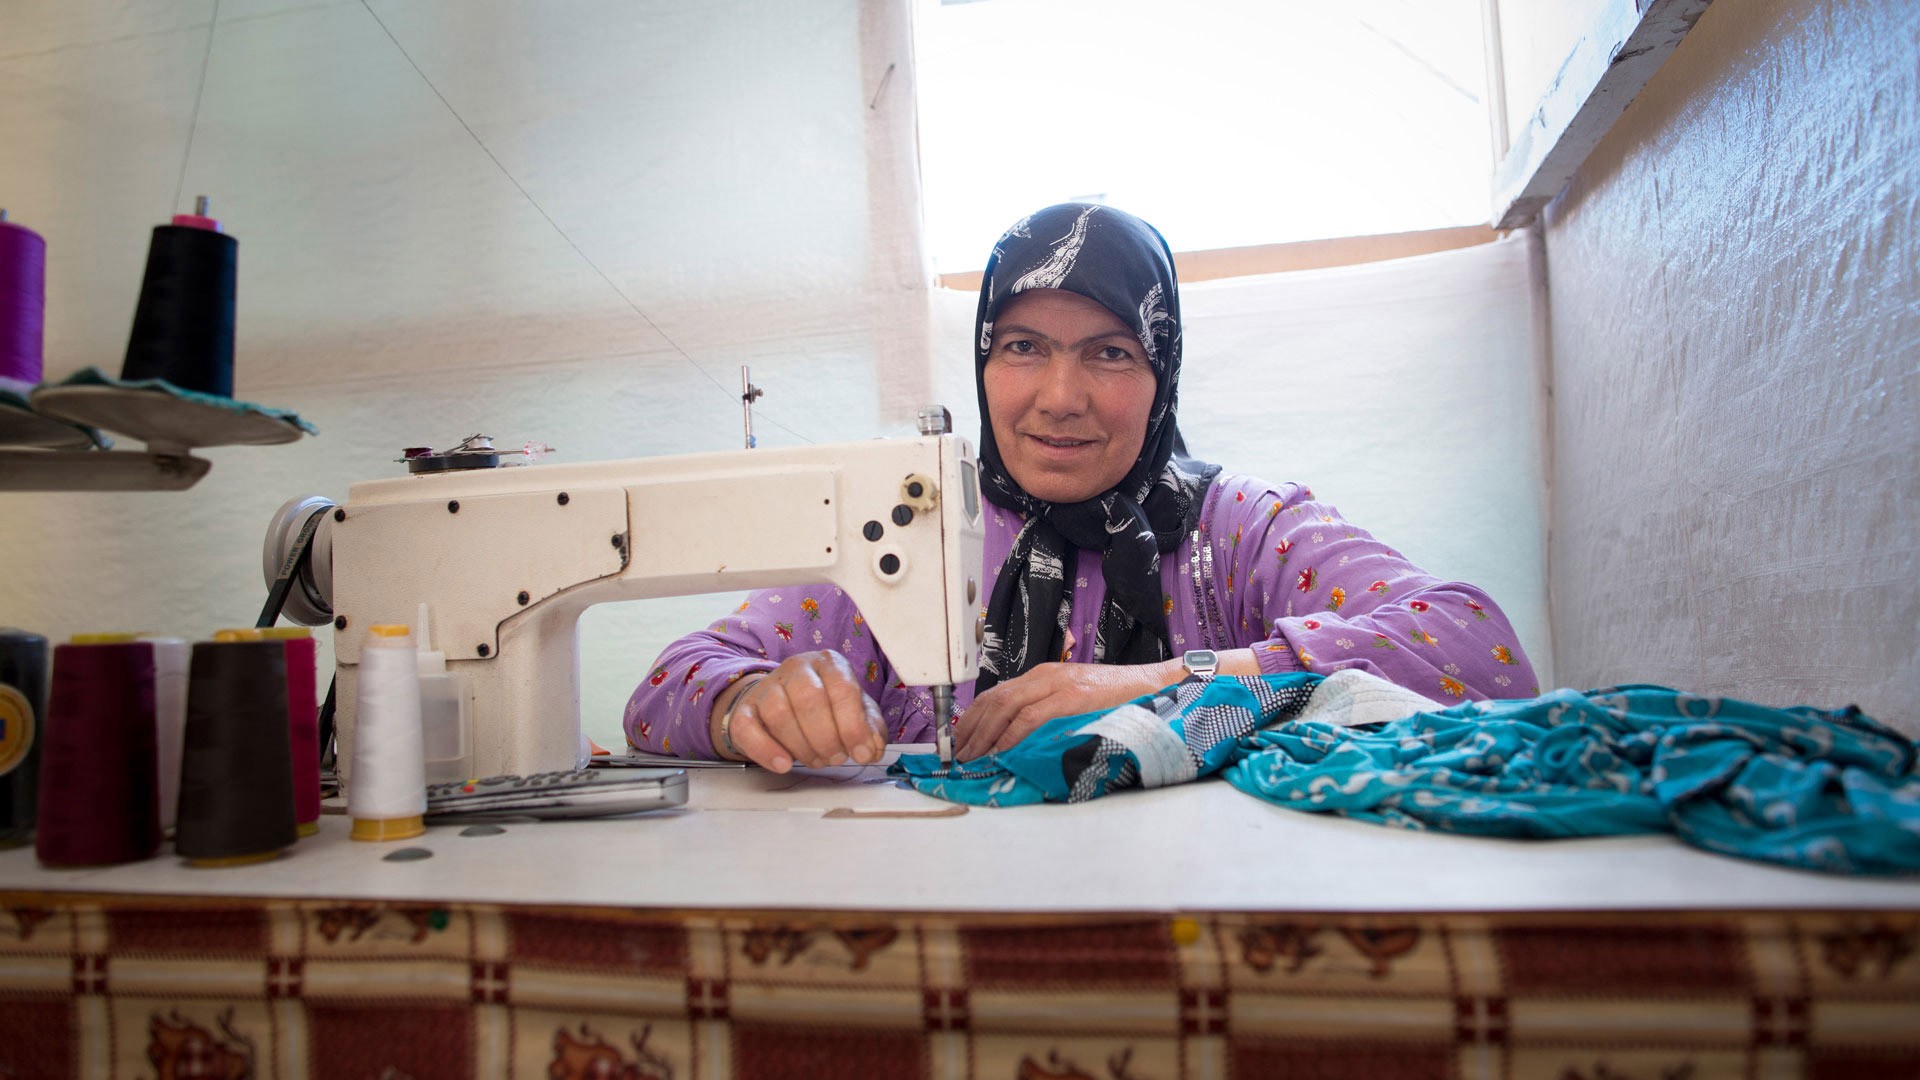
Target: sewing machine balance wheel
309,597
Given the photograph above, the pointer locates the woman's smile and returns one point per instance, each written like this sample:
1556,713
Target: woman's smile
1061,446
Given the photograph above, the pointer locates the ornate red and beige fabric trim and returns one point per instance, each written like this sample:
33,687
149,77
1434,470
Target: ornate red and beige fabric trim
138,986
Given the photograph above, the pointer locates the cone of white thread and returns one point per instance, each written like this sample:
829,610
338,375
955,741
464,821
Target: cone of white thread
171,658
388,797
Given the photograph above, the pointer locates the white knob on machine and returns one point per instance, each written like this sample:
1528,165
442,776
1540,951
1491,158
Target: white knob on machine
889,564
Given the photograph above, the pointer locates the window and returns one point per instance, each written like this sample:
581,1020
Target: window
1225,123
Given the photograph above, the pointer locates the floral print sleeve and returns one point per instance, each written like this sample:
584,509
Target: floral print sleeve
668,713
1319,593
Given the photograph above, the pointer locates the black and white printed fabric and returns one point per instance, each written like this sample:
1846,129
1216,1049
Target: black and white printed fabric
1123,264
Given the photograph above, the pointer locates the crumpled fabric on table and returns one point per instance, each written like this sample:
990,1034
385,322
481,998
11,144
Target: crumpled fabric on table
1183,732
1827,790
1818,789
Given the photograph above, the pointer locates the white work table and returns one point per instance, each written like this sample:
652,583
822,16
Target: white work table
752,840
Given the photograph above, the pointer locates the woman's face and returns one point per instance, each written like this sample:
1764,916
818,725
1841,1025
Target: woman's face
1068,389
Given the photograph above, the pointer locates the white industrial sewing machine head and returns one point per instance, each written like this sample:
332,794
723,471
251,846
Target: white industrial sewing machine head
506,559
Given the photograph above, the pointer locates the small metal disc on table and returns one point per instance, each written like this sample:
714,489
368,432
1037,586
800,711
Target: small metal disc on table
155,416
23,428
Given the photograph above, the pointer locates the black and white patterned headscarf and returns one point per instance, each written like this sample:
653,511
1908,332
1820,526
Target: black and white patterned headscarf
1122,264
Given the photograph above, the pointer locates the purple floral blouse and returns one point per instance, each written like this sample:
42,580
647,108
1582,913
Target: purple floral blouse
1266,568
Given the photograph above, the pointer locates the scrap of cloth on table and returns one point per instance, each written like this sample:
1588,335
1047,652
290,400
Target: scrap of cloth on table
1828,790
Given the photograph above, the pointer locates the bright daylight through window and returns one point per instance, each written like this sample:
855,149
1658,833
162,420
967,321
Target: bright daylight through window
1227,123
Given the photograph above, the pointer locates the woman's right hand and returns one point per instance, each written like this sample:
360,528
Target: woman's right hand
810,710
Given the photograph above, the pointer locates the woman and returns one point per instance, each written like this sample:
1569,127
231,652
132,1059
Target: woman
1113,551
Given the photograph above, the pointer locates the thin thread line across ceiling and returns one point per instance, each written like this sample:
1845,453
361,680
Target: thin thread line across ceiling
562,233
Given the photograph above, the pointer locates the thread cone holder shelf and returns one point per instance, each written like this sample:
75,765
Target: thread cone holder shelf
21,428
45,441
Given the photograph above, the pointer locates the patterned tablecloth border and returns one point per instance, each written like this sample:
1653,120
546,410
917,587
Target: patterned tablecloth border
94,984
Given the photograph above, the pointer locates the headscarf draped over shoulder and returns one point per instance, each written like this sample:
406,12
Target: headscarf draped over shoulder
1121,263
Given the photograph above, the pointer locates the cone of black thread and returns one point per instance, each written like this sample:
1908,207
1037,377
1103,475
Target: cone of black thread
23,667
236,775
183,325
99,782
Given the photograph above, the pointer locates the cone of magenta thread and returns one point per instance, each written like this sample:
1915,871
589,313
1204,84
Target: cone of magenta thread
183,323
99,802
23,713
23,305
303,723
236,776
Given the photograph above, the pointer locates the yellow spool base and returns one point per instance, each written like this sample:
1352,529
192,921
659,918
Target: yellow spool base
308,828
377,829
222,861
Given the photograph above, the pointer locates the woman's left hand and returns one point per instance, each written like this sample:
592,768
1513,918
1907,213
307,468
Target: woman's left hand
1010,710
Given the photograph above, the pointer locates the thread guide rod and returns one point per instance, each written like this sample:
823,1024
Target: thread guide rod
748,393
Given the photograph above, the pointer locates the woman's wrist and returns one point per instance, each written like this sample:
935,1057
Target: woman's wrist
719,723
1229,661
1159,676
1238,662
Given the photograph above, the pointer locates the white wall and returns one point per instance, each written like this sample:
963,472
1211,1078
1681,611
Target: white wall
1735,280
452,216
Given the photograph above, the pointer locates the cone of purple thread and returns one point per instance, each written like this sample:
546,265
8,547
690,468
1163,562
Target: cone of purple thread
99,792
23,306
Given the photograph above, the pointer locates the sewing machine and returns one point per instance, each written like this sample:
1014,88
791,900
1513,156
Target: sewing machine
506,559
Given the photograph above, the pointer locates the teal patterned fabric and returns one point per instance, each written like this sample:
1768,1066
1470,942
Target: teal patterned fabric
1818,789
1185,731
1811,788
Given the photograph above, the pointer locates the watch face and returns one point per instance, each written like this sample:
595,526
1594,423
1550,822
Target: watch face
1201,661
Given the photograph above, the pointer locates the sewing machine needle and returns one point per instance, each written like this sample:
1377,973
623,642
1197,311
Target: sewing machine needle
943,722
